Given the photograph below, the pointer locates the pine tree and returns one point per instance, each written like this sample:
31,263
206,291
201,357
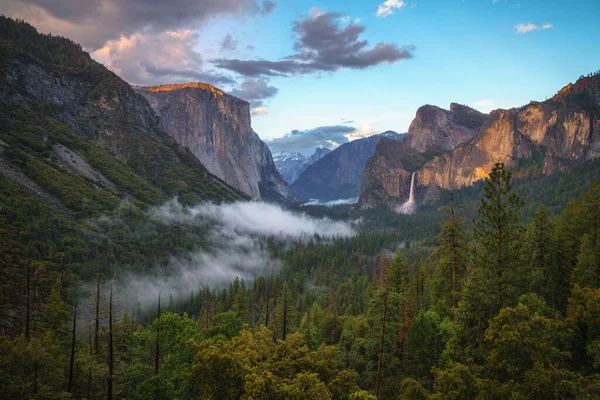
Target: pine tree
585,272
384,311
97,318
285,313
590,204
543,258
157,347
111,358
497,279
72,360
451,266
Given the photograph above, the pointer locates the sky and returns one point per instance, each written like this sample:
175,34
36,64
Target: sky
321,73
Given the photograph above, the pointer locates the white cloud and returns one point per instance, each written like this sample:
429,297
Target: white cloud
315,12
485,105
365,130
525,28
252,218
156,58
388,7
260,111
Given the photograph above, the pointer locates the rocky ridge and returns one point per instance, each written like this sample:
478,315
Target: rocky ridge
541,137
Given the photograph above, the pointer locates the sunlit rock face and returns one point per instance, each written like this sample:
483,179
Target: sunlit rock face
434,131
216,127
541,137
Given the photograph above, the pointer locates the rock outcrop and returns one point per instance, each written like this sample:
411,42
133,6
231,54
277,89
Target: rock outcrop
541,137
434,131
216,127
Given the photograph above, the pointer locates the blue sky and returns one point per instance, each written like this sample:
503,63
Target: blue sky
466,51
484,53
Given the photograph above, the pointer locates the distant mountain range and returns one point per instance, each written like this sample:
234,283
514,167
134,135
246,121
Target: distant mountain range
291,165
339,173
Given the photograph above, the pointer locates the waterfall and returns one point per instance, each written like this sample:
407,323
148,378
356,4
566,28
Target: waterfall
410,205
411,197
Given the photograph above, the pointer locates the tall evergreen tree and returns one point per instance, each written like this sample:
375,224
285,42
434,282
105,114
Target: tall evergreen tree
72,360
590,204
542,252
452,264
497,278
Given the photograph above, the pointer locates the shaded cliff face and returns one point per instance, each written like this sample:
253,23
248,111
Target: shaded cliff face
539,137
338,175
433,131
216,128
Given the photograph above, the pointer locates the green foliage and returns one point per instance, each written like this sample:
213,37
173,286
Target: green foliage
498,278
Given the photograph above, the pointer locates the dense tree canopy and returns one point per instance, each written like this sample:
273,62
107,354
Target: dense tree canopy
499,310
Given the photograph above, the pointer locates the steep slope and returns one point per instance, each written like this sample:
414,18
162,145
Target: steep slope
541,137
338,175
78,138
292,165
432,132
216,127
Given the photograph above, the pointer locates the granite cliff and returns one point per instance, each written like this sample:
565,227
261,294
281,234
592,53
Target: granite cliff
216,127
541,137
434,131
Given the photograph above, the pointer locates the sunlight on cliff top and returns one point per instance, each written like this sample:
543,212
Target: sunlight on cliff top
197,85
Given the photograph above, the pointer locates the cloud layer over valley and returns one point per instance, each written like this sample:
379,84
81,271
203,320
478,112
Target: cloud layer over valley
234,246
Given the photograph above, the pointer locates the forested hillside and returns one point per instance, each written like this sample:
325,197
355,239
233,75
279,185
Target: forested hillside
64,162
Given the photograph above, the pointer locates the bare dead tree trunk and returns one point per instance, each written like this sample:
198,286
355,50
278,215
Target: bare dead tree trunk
379,361
110,349
27,303
33,304
284,312
97,320
308,324
35,376
156,360
454,261
89,382
72,362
